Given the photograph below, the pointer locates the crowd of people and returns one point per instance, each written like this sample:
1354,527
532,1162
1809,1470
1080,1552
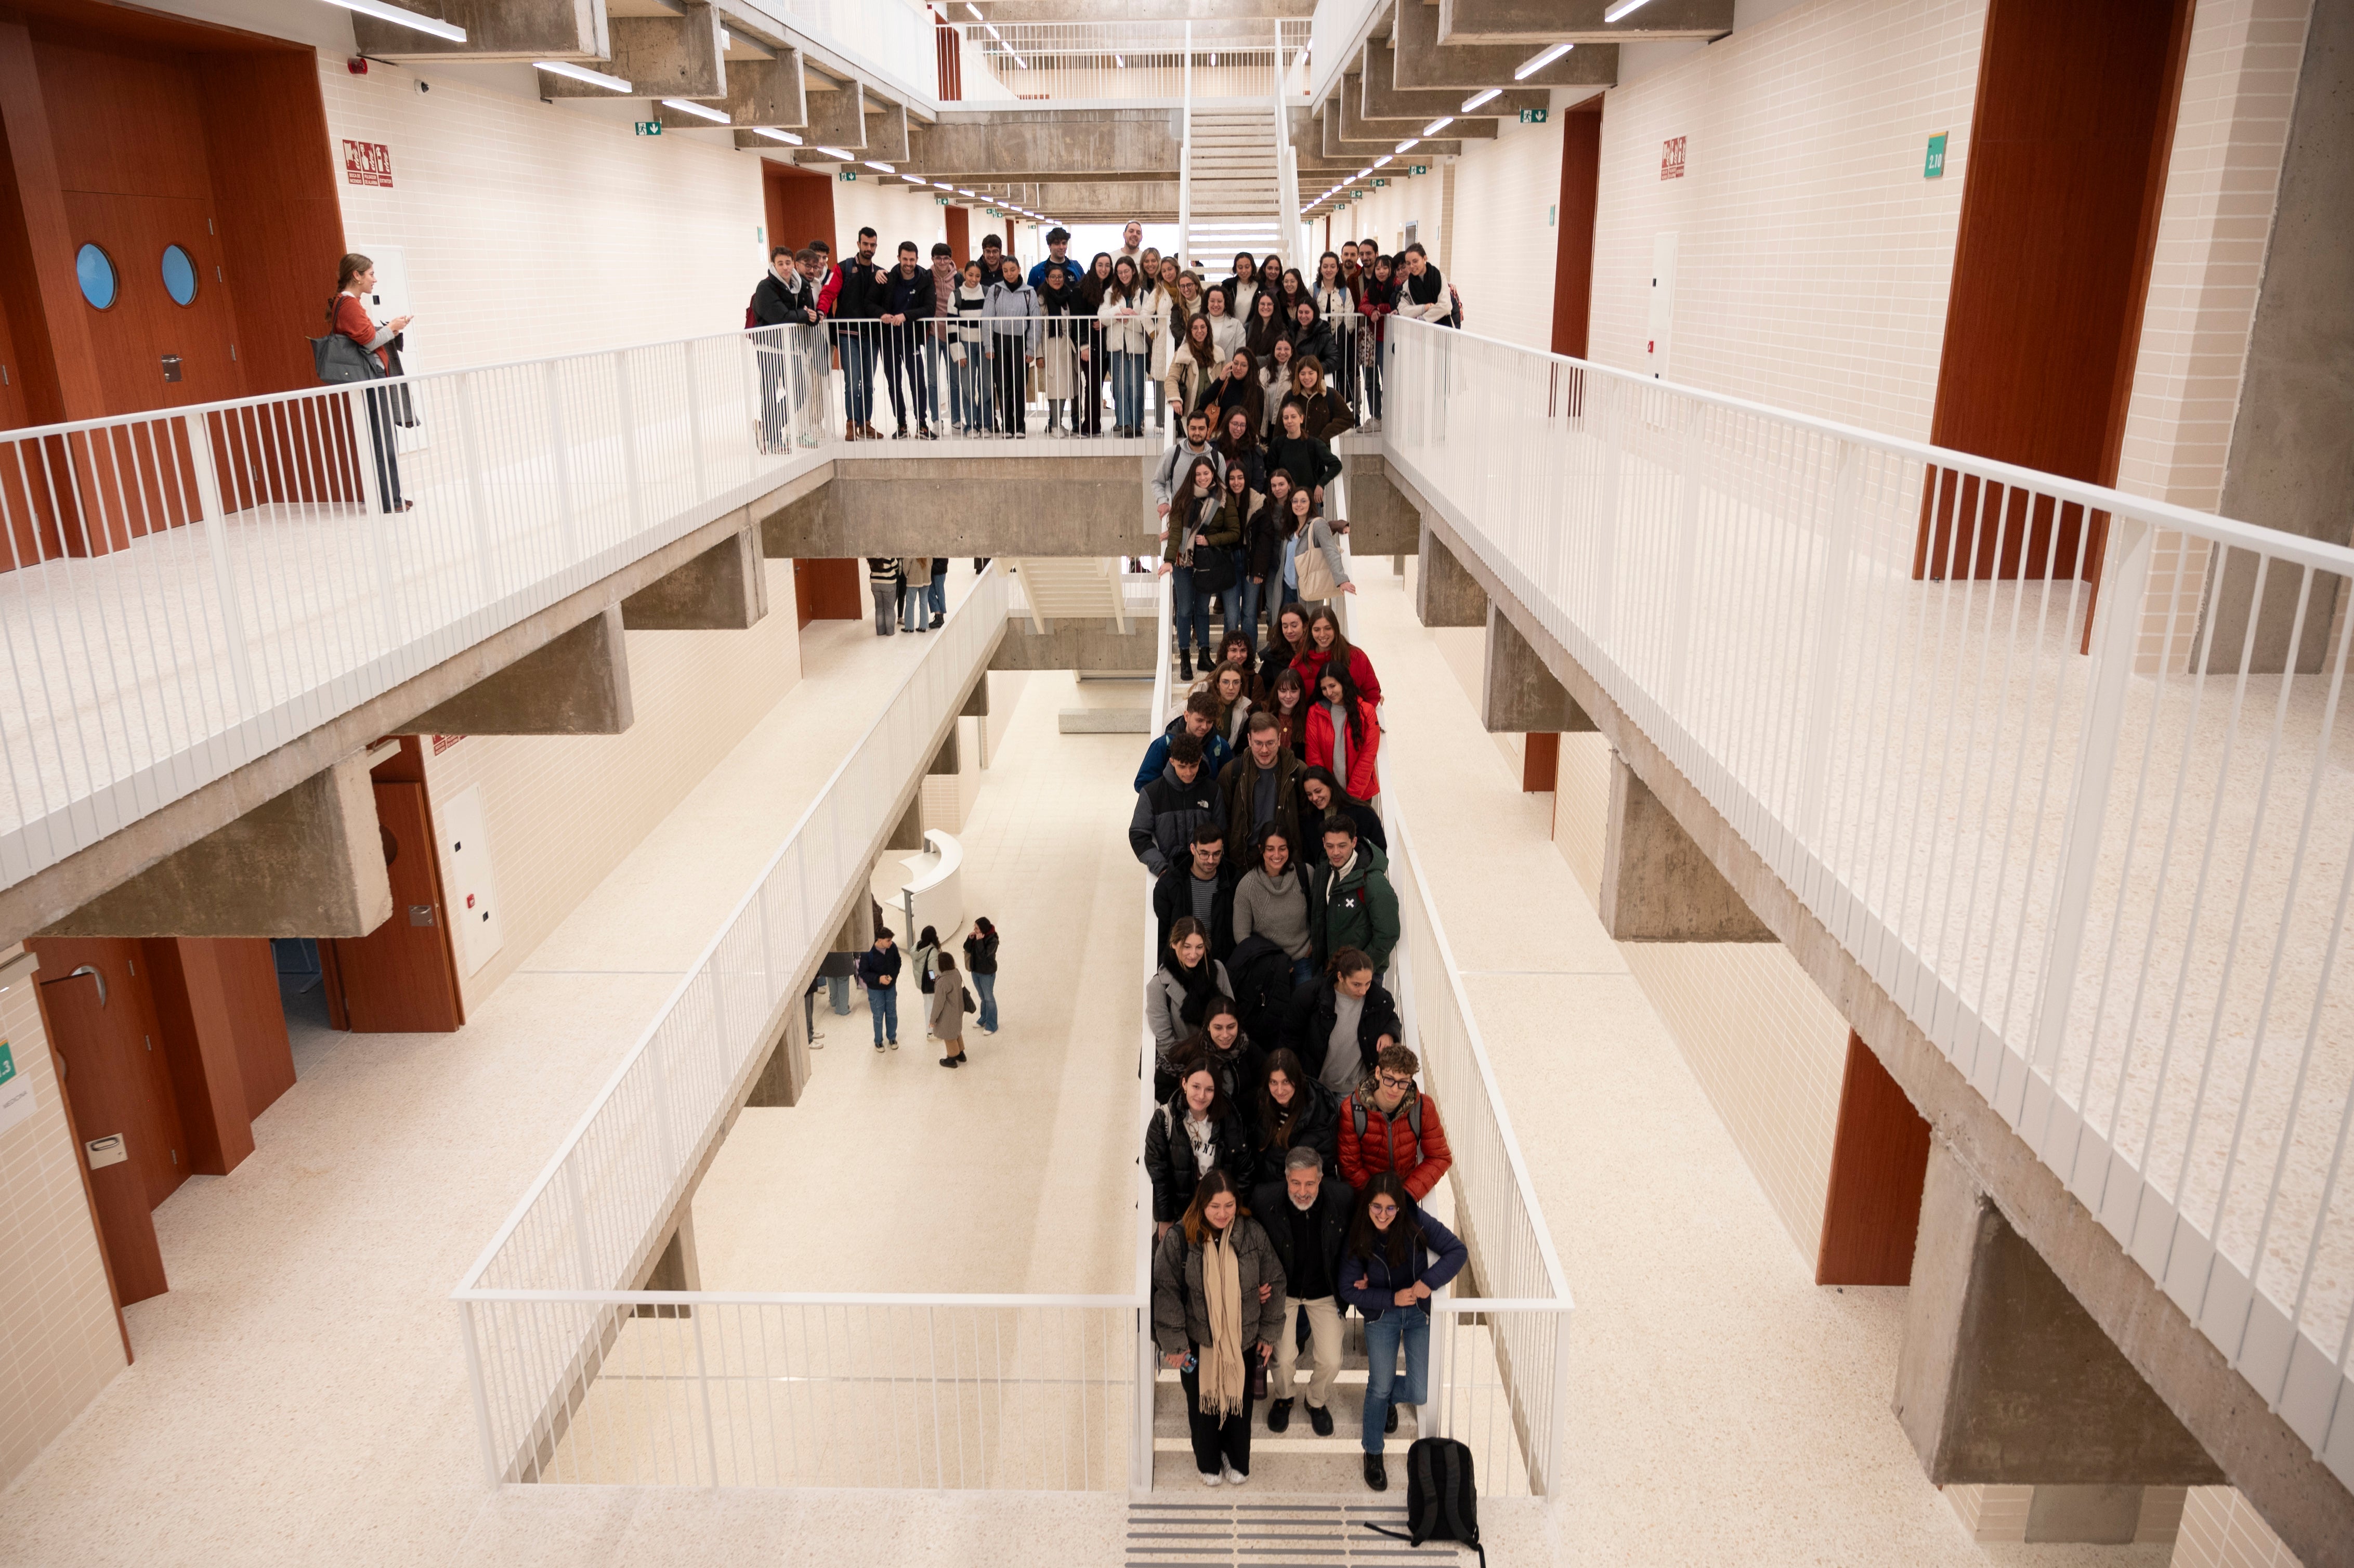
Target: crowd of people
1291,1147
965,345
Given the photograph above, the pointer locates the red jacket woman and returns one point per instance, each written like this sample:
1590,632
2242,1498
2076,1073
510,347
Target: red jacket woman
1363,740
1325,644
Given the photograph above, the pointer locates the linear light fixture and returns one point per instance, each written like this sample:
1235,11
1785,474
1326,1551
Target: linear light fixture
582,73
1405,146
787,137
975,10
1020,61
838,155
1360,173
1384,159
994,33
700,110
1435,126
1214,59
1477,99
398,17
1537,62
1119,62
881,168
1621,11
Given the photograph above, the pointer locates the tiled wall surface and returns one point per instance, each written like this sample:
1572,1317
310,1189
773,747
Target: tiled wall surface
58,1342
562,811
1505,194
1814,258
1996,1516
2221,1530
533,228
2239,84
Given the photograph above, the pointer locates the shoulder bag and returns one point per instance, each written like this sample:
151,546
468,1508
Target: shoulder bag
1314,572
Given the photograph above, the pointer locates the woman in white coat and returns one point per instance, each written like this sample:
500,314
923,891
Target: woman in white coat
1128,346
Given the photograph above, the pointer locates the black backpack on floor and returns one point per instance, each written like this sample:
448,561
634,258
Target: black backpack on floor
1442,1502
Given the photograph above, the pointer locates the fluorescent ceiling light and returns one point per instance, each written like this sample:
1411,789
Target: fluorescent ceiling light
1119,62
994,33
882,168
787,137
1537,62
395,15
1384,159
1405,145
1360,175
1477,99
582,73
975,10
700,110
1622,10
962,192
726,39
838,155
1020,61
1435,126
1214,59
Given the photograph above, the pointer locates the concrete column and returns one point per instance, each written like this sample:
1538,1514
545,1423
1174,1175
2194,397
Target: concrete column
676,1268
944,760
781,1081
309,863
907,835
1444,593
1382,520
726,588
577,685
2004,1379
1656,885
976,704
1518,695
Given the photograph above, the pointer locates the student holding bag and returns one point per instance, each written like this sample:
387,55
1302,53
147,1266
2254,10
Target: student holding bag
1200,550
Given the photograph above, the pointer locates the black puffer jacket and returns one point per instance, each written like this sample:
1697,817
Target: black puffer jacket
1168,1156
1319,1128
1260,973
1307,1029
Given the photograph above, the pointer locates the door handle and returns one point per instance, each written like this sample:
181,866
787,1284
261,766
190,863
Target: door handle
90,969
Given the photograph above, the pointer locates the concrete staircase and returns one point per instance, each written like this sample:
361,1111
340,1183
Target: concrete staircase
1297,1460
1235,196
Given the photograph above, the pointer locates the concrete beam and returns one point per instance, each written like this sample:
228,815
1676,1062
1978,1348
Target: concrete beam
1444,593
886,133
1382,520
907,833
759,92
837,118
1252,11
2260,1454
1356,125
1091,645
781,1083
1381,99
976,706
1462,22
1656,885
1079,505
1367,146
578,683
1518,695
946,759
2003,1379
726,588
659,56
308,863
518,30
1047,145
1419,62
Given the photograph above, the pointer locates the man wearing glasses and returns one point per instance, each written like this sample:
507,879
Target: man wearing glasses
1394,1127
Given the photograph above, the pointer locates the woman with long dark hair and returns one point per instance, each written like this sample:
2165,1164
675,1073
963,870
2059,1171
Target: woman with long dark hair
1287,701
1344,734
1295,1111
1217,1305
1127,337
1377,295
1200,551
1192,369
347,316
1178,996
1286,642
1322,800
1195,1130
1243,509
1264,329
1272,900
1237,442
1396,1257
1066,332
1328,646
1089,413
980,962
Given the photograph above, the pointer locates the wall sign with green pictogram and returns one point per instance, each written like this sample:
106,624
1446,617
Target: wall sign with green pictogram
1418,169
1935,169
849,174
1533,116
1379,184
16,1092
648,127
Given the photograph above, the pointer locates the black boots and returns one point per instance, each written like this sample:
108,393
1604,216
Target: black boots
1185,664
1376,1476
1278,1414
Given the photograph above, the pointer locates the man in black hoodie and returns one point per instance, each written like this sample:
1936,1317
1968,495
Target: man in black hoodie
910,297
860,290
780,299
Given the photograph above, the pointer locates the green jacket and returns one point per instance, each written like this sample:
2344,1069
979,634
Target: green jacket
1359,910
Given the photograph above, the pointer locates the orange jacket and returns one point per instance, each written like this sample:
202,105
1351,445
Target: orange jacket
1389,1143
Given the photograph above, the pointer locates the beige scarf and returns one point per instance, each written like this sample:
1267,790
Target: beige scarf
1223,1381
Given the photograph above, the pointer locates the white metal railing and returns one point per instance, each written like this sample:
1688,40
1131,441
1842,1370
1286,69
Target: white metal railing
2100,859
1499,1357
1128,61
1333,34
186,589
1287,171
1148,1352
534,1307
1185,154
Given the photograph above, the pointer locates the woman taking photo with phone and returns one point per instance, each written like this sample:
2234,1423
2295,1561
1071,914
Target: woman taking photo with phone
1217,1305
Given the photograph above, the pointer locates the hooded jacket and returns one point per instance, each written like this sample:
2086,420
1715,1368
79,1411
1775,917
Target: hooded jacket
1315,339
1013,313
1169,1160
1353,908
1363,781
1307,1028
1311,662
1167,811
1261,973
1215,755
1391,1143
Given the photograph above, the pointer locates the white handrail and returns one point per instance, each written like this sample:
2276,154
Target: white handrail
1148,1352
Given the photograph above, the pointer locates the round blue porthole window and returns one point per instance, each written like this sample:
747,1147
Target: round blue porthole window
94,269
179,275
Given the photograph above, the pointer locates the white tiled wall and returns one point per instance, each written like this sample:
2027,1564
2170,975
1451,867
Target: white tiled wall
2221,1530
562,811
58,1342
1813,258
533,228
1505,194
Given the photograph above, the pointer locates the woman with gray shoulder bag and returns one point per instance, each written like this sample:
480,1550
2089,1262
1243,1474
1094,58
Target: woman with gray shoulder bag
355,349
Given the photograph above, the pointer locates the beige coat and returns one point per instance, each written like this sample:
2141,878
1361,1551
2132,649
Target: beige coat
947,1018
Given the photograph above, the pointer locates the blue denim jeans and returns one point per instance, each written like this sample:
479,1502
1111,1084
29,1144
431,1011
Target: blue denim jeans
1127,389
1189,607
936,595
903,357
882,1001
1398,1328
1303,972
1250,592
912,599
986,984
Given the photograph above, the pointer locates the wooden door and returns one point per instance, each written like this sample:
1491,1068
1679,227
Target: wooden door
119,1083
401,978
800,207
133,337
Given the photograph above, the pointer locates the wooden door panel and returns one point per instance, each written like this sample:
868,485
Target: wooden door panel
400,977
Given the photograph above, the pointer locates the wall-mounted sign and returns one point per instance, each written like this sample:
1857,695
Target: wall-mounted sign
648,127
1418,168
1935,169
367,164
16,1093
1672,158
1379,184
849,174
944,201
1533,116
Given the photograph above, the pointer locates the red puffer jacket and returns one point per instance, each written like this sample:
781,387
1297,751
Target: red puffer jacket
1363,782
1388,1143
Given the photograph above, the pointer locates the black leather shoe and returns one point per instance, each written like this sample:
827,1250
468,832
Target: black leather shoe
1375,1476
1322,1419
1389,1422
1278,1414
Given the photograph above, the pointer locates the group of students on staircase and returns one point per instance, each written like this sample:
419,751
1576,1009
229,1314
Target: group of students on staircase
1291,1149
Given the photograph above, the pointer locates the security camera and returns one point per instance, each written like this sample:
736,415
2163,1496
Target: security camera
424,87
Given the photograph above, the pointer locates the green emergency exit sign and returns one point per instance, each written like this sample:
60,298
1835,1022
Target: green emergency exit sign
648,127
1379,184
1533,116
1418,169
849,174
1935,169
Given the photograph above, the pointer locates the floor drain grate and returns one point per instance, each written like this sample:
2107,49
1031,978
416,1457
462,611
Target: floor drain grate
1270,1534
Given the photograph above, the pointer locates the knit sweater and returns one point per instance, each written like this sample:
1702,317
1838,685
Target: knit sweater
1273,907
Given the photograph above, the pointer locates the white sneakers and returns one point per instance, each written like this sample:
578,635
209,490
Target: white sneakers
1211,1480
1234,1477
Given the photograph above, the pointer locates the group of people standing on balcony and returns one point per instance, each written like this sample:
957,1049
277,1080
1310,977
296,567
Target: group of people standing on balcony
964,345
1291,1147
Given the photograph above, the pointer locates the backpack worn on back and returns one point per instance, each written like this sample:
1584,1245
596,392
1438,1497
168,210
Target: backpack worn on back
1412,1117
1442,1502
